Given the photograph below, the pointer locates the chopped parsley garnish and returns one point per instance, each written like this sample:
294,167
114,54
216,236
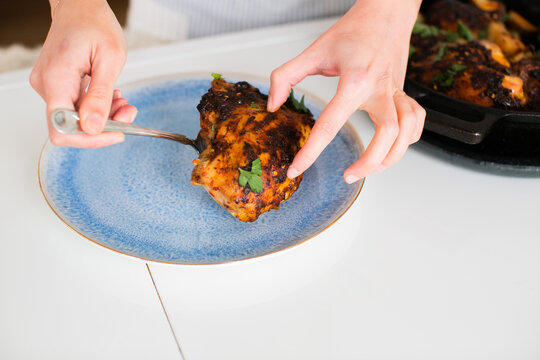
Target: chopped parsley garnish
216,76
412,50
253,105
451,36
505,17
424,30
446,78
482,34
457,68
298,105
440,54
464,31
253,177
213,127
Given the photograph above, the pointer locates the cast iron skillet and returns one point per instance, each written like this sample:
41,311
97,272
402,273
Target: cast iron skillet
463,121
467,122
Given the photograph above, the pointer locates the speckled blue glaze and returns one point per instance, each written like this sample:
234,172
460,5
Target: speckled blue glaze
136,197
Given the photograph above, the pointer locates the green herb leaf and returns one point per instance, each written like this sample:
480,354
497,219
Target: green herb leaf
256,167
213,127
452,36
255,183
216,76
437,78
482,34
448,82
505,17
440,54
446,78
464,31
243,179
253,105
425,30
457,67
252,177
297,105
412,50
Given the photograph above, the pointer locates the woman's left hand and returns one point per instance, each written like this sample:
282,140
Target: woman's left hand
368,48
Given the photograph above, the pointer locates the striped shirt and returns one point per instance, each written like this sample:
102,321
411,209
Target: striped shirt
180,19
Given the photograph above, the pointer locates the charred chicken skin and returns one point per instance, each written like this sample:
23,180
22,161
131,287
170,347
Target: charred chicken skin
238,130
465,51
474,71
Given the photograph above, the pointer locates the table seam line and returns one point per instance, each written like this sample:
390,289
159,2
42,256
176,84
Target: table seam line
165,312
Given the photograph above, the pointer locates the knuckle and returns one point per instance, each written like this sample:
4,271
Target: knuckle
385,76
120,102
98,92
390,129
358,76
326,129
34,79
418,135
369,163
276,74
421,113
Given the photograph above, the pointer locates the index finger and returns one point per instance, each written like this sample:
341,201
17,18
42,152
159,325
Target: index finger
351,94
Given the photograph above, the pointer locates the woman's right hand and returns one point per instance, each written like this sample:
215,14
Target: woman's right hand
78,66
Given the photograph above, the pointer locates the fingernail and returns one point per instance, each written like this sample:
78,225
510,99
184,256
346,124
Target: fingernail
132,119
292,172
349,179
379,169
269,103
93,122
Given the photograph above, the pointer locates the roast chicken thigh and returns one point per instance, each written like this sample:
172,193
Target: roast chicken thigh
248,149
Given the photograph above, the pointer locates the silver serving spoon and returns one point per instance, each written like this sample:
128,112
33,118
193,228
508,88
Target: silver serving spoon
68,122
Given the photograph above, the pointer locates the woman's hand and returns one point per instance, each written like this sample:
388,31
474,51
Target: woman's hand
368,48
81,58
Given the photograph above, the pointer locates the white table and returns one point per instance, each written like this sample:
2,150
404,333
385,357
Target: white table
433,261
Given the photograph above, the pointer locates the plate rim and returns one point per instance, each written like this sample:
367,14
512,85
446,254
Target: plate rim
248,77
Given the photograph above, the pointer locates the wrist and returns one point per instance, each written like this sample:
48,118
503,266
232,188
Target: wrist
56,4
405,10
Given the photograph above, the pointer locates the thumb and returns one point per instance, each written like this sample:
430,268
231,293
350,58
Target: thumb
96,104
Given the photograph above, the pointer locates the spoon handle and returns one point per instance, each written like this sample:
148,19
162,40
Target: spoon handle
68,122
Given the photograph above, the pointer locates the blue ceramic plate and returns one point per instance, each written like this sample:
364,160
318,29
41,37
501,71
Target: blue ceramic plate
136,197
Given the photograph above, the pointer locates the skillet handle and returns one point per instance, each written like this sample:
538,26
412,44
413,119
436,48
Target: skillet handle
453,127
471,131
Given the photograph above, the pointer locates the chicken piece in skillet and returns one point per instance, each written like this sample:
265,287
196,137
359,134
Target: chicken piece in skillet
447,14
241,134
529,71
475,71
496,9
509,43
483,20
